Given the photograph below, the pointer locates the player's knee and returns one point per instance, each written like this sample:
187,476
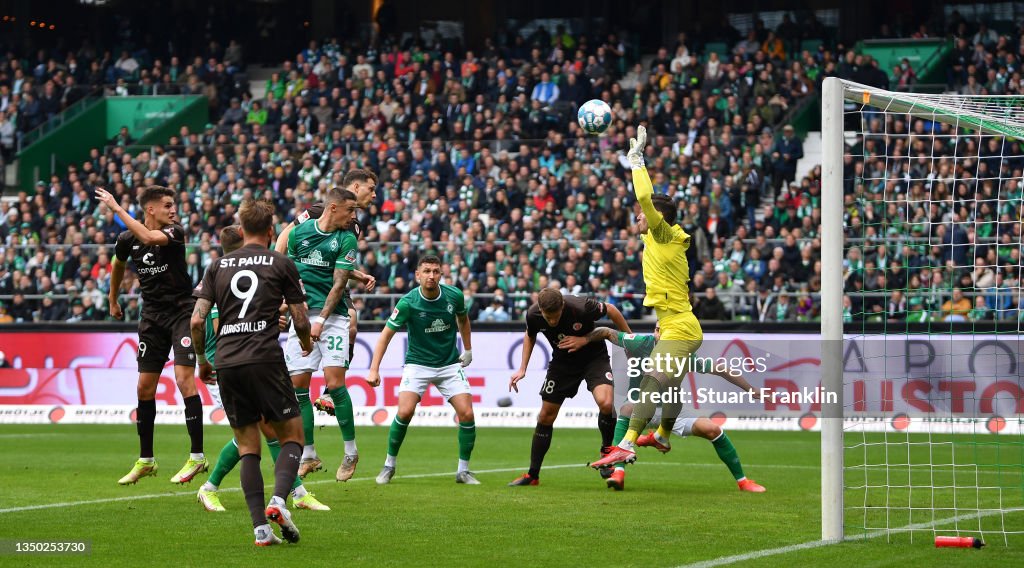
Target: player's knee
405,415
707,429
187,386
606,406
466,415
547,418
662,378
335,377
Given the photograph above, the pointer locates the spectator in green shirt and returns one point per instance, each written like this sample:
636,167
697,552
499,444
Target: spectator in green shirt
257,115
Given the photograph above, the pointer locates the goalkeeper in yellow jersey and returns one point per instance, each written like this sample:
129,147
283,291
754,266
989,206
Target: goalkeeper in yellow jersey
666,273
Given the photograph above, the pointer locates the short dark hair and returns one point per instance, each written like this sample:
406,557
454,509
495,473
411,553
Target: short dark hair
153,193
256,216
358,174
231,238
429,259
338,195
666,207
550,300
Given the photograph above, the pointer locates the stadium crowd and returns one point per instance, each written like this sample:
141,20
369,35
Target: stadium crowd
37,87
480,161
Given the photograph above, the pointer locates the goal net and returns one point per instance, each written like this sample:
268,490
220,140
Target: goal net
921,315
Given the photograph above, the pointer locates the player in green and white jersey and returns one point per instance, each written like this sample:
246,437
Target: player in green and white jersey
230,240
431,313
325,252
363,183
639,347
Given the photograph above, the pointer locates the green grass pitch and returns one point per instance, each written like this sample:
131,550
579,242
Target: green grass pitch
680,508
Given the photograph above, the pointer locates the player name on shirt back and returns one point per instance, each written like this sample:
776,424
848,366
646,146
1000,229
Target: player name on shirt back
247,261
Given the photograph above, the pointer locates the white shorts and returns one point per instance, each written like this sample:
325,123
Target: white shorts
330,351
214,391
684,426
450,380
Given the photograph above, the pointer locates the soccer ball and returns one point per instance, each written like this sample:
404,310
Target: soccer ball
594,116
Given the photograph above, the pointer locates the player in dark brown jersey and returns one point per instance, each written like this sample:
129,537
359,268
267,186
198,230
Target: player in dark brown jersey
557,317
157,249
248,286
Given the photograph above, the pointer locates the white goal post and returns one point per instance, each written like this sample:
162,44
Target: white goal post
922,478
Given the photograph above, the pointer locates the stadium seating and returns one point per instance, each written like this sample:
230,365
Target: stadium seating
472,166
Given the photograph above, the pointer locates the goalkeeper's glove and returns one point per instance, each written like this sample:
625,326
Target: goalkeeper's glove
636,148
466,358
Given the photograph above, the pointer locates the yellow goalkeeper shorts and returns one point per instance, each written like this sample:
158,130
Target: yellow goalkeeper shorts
679,326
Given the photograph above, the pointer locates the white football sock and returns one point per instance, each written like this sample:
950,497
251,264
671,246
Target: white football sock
308,452
390,461
463,465
350,448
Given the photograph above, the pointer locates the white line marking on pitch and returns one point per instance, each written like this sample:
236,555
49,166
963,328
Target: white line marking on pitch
864,536
236,489
414,476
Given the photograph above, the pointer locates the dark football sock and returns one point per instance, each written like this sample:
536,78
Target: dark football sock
541,443
145,420
252,487
194,422
606,424
286,468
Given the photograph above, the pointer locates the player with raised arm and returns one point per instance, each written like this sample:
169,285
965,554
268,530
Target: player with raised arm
435,315
230,241
666,273
157,248
363,183
325,252
639,347
248,286
558,316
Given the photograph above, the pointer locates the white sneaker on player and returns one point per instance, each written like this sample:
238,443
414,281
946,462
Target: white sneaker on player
276,512
385,475
265,536
466,477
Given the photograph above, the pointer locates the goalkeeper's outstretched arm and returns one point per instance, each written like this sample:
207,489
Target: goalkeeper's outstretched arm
644,189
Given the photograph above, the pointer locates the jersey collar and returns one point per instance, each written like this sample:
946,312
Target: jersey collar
420,290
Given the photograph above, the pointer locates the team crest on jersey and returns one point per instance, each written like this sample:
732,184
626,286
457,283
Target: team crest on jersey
608,375
334,245
451,308
577,326
186,342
